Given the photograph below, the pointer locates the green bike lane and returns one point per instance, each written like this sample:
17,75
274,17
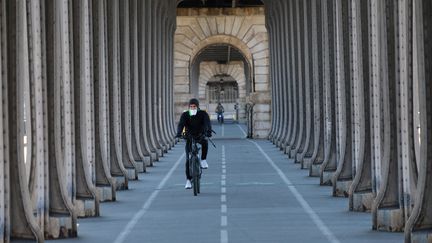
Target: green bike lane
250,193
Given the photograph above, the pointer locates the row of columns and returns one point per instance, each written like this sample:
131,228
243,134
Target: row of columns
86,103
351,88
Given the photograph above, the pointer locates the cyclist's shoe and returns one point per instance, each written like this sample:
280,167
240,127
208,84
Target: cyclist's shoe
188,184
204,164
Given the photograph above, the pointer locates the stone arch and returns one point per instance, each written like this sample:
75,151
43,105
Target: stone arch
210,69
243,29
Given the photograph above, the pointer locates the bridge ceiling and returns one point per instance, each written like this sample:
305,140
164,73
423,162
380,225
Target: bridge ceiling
219,3
221,53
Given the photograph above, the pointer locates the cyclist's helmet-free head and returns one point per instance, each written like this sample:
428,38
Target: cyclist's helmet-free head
193,106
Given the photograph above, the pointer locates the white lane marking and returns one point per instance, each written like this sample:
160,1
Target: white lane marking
254,183
224,221
224,236
223,208
147,203
224,217
223,130
243,131
305,205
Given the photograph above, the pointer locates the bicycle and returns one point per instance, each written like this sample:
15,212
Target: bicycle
195,169
194,163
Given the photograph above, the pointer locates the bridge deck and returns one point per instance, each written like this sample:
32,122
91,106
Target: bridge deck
261,196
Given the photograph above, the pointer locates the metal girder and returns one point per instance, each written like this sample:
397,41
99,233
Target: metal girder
387,213
127,156
117,168
360,192
297,145
419,224
137,148
105,183
143,42
306,148
87,202
343,175
326,169
368,70
69,109
317,156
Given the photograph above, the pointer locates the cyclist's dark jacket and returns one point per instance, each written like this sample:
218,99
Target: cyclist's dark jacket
194,125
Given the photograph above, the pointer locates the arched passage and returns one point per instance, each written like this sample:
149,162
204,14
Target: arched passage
246,32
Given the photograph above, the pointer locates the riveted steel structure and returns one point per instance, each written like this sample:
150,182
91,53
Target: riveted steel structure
87,104
351,88
87,99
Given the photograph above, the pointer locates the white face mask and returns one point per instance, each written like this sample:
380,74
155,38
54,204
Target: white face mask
193,112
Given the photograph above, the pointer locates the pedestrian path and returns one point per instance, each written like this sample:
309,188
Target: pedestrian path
250,193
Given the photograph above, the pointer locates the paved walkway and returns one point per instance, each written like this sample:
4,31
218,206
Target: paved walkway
250,193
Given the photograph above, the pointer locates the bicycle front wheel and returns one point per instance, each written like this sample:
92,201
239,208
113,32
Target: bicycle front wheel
195,166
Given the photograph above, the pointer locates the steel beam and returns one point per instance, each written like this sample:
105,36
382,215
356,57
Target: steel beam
87,202
360,192
418,227
343,175
105,183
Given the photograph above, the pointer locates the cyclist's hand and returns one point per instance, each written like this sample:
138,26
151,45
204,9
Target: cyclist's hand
208,134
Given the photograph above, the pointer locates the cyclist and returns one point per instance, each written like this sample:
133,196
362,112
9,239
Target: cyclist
219,111
196,123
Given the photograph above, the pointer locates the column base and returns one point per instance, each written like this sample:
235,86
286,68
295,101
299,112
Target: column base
105,193
306,163
293,154
159,153
286,150
362,201
140,166
148,161
120,183
154,157
326,178
314,170
86,207
131,173
390,219
60,227
341,189
421,236
299,158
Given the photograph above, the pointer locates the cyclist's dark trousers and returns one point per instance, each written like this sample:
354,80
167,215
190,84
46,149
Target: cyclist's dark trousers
204,150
